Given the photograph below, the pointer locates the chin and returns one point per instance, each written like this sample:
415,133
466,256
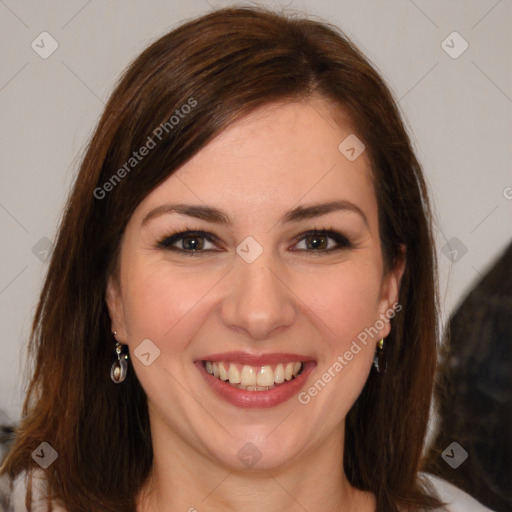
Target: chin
259,449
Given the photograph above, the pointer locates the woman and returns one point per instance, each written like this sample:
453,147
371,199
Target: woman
240,311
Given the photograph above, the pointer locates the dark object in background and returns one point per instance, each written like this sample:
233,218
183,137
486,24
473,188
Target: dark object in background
474,391
6,437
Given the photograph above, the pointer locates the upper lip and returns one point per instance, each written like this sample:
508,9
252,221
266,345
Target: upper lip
252,359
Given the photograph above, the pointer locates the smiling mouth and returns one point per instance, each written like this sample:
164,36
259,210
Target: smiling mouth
254,378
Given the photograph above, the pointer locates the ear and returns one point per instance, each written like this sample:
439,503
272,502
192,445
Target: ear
390,291
115,308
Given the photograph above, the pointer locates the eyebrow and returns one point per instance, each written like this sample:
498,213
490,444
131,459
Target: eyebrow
214,215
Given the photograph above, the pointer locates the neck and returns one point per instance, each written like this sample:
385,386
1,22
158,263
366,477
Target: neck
184,480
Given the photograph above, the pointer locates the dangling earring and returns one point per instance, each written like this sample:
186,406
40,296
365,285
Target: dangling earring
120,365
378,360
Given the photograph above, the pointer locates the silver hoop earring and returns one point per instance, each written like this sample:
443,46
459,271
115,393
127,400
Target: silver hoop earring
120,365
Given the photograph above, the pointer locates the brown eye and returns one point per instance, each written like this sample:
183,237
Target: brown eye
193,242
187,242
319,241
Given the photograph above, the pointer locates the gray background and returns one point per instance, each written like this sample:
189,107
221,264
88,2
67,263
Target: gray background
457,109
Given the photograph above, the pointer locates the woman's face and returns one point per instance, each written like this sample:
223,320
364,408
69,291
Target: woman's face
260,294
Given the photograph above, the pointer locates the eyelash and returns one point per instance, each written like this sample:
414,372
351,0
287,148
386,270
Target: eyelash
342,241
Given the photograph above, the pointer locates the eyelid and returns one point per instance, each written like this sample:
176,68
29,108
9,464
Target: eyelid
168,240
343,242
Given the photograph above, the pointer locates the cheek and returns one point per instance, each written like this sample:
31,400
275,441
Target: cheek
346,300
346,303
158,301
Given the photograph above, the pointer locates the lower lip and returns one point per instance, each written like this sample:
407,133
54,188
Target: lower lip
257,399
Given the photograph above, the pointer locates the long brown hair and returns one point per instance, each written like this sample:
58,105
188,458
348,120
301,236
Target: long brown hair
223,65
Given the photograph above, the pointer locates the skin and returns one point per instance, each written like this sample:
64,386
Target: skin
299,301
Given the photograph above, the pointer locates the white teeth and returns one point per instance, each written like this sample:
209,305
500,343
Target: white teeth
255,388
253,378
234,374
248,376
265,376
223,374
279,374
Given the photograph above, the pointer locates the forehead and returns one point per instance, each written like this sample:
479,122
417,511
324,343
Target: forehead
278,156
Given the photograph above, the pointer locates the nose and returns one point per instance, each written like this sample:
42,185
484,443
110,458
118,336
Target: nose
258,301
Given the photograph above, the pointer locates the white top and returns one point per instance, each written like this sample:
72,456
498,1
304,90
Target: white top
456,499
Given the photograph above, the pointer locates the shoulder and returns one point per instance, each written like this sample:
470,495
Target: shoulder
456,499
12,494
